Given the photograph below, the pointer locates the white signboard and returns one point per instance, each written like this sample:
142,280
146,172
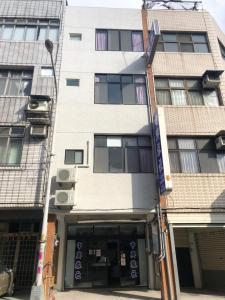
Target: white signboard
161,152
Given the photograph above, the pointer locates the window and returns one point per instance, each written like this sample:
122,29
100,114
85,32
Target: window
189,155
119,40
120,89
29,29
222,50
123,154
74,157
46,72
11,145
72,82
75,36
15,82
184,92
183,42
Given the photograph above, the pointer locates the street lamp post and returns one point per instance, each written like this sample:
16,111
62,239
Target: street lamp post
37,292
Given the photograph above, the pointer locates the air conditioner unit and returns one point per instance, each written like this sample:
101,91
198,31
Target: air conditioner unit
211,79
220,142
66,175
38,131
37,107
64,198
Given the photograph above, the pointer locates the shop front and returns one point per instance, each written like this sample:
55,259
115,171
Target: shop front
105,255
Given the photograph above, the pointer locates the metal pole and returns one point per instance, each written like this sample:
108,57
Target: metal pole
37,292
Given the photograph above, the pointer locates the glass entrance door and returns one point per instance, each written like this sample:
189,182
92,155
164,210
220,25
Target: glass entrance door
100,260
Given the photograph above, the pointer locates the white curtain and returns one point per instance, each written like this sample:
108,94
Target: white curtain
176,83
221,162
186,144
210,98
189,161
195,98
178,97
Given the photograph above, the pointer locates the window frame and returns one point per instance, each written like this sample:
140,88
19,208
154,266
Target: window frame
124,153
222,49
119,34
48,24
10,137
179,43
75,80
74,150
122,84
197,150
187,90
21,78
75,37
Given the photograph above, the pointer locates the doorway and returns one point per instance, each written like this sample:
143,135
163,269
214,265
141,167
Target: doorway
184,267
105,255
113,263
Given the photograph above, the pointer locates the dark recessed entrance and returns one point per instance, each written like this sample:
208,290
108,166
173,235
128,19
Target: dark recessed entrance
105,255
113,263
184,267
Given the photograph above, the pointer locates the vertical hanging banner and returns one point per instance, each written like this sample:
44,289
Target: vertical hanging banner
153,38
161,152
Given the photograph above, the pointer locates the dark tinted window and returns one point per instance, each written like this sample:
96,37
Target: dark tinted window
120,89
183,42
123,154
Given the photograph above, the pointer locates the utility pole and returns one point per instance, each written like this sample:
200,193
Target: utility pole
37,292
168,284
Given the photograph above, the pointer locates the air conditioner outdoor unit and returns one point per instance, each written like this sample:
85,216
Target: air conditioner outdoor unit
64,198
37,107
39,131
220,142
211,79
66,175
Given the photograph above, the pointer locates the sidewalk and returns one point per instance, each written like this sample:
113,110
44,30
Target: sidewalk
133,294
122,294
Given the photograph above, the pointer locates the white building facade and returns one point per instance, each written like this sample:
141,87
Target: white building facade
106,226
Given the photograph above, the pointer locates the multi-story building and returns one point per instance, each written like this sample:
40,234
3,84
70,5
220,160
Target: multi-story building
189,85
25,134
104,180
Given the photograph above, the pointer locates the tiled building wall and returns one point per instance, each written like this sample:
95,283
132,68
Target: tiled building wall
23,186
193,190
31,8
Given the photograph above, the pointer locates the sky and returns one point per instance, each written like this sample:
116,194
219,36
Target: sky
215,7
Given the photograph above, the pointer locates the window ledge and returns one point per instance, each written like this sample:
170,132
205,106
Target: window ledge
189,53
82,166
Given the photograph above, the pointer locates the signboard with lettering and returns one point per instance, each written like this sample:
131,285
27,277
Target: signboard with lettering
161,152
154,35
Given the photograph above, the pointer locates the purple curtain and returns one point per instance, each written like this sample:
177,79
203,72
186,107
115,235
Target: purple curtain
137,41
101,41
141,94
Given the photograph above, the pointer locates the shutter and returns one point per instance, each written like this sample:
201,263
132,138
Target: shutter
211,246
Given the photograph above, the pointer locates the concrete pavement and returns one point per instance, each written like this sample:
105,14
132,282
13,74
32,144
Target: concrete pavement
122,294
133,294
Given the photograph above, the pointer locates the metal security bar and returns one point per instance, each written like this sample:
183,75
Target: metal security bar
18,252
